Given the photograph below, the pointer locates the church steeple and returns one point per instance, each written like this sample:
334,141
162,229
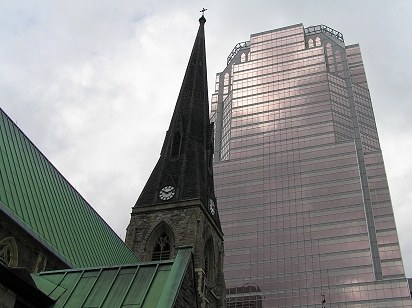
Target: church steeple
177,207
184,171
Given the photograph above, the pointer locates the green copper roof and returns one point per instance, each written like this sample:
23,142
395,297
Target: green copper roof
150,284
36,196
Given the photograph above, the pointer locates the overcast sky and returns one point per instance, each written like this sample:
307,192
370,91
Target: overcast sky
93,83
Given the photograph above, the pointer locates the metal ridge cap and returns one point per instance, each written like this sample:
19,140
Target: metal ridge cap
175,279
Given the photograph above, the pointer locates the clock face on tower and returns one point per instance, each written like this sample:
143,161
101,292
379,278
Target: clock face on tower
167,192
212,207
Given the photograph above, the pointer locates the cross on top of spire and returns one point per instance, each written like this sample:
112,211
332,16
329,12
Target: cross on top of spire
202,18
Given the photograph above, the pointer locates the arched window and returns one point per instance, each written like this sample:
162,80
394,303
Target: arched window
243,58
207,264
310,43
329,55
209,260
160,243
338,60
318,43
226,79
329,51
9,252
175,150
162,248
337,56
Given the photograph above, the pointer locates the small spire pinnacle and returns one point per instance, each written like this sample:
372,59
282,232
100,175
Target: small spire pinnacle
202,19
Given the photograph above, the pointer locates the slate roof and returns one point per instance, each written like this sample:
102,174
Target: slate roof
186,158
37,197
149,284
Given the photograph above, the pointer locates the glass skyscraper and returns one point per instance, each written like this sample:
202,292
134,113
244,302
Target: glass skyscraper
301,185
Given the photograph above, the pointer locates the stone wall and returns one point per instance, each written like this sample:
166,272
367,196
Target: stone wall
27,250
187,296
191,226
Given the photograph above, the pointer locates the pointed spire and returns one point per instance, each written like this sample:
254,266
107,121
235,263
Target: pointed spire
184,171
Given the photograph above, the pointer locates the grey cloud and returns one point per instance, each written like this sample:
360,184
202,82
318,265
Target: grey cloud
94,83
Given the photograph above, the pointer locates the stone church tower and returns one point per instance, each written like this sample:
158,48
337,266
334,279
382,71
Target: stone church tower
178,207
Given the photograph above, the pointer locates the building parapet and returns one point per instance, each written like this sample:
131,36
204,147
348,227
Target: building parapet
324,29
234,51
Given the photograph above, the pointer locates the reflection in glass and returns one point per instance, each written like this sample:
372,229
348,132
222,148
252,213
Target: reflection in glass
287,177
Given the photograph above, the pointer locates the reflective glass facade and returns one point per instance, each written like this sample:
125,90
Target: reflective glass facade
299,176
